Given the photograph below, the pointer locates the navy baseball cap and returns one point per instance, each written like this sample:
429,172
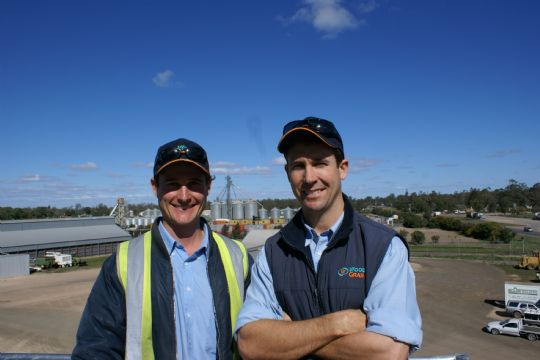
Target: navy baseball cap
181,150
322,129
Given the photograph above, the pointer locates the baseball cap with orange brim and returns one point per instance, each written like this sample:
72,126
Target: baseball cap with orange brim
322,129
181,150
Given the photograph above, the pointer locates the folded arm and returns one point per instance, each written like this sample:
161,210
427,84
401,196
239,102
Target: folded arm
364,345
281,339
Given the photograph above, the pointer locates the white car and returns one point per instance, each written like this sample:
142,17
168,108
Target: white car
508,327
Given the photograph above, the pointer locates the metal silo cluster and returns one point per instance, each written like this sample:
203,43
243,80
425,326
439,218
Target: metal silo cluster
248,210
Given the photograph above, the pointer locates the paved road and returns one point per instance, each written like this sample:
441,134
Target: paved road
516,223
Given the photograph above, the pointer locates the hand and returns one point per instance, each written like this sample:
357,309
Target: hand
286,317
348,322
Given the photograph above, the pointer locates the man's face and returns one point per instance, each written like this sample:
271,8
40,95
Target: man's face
315,176
181,190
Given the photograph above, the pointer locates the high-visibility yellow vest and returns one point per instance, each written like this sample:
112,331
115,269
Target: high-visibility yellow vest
133,262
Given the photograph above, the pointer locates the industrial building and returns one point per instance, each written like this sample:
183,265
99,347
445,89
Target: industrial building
14,265
86,236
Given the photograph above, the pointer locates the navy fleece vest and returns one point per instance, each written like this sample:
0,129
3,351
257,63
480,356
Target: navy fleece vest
345,271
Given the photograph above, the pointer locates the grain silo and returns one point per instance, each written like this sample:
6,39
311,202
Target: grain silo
215,210
238,210
263,213
224,211
274,213
250,209
288,213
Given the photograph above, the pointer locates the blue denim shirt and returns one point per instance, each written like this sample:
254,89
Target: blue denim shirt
194,308
390,306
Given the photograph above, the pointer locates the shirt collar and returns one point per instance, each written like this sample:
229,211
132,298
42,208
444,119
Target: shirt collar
310,232
171,244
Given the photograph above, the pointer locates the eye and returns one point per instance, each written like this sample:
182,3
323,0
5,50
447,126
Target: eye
296,166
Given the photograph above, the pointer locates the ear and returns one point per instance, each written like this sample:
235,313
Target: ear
154,186
343,169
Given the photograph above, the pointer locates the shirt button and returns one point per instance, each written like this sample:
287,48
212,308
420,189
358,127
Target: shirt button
188,288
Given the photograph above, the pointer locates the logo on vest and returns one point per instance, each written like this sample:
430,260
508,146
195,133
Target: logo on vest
352,272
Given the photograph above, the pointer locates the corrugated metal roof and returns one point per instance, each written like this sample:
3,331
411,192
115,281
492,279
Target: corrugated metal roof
256,238
60,235
29,224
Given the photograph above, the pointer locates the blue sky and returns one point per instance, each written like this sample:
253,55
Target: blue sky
428,95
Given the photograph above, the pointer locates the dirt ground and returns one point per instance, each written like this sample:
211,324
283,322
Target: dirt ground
40,313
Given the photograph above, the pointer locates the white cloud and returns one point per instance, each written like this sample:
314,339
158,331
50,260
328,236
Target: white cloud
327,16
164,79
219,164
30,178
368,6
280,160
503,153
244,170
149,165
360,164
90,165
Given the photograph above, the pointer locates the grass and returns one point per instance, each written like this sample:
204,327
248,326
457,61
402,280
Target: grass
91,263
523,274
504,255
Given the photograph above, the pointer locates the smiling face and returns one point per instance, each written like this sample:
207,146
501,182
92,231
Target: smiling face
181,190
315,178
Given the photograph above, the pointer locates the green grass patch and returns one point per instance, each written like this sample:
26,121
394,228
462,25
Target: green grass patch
524,274
94,261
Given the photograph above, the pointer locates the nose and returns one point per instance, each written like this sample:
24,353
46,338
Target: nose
310,175
183,194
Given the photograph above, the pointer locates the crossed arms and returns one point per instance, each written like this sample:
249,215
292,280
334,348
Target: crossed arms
392,324
339,335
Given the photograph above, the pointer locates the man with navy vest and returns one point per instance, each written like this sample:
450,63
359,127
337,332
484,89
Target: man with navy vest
332,283
175,292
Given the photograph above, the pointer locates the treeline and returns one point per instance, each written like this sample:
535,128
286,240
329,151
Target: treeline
516,198
49,212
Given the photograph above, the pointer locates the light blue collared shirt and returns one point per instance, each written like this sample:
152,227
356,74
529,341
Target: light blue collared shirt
390,305
194,306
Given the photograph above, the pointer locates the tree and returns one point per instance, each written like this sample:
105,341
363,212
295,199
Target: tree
435,239
403,233
236,232
412,220
225,230
418,237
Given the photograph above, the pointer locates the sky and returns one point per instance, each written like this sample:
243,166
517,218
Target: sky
428,95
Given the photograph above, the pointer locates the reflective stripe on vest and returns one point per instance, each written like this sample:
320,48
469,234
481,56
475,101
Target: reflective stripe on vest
134,271
236,266
133,259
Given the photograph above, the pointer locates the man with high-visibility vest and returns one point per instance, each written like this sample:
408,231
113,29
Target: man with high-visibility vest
174,292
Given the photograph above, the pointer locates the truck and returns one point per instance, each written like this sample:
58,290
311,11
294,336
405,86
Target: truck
514,327
44,263
525,292
530,262
62,260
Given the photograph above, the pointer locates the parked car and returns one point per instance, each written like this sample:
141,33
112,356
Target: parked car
508,327
514,327
527,229
517,308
